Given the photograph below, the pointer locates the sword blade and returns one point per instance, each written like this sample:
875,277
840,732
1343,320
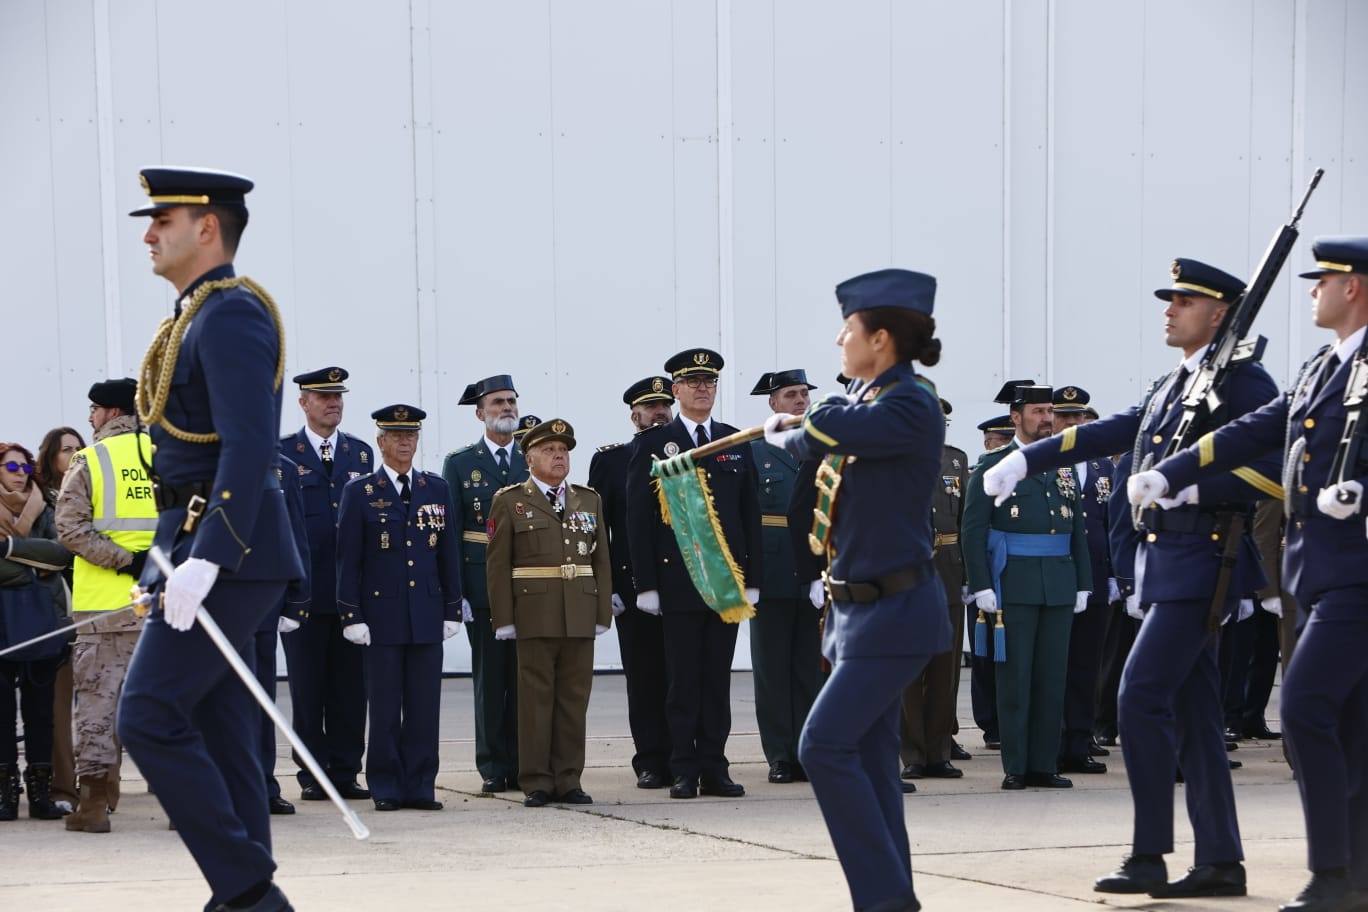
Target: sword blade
70,627
268,706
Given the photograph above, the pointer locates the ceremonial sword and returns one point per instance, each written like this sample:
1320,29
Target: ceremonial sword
141,601
211,627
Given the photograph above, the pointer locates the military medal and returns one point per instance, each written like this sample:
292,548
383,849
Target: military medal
475,476
364,458
384,541
432,539
351,475
1065,512
1015,511
671,449
370,489
582,548
1103,489
519,508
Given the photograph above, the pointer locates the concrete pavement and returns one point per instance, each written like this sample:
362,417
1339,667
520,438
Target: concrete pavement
974,847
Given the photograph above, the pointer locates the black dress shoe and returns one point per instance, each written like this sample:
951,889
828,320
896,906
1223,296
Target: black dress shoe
1206,880
273,901
1137,874
1081,765
1107,739
1233,734
1236,764
780,772
992,743
684,788
575,796
537,799
1260,731
1047,781
1013,783
942,770
1327,894
799,774
1231,746
421,805
386,804
908,788
1097,750
652,780
721,787
313,792
912,771
959,753
494,784
352,791
279,806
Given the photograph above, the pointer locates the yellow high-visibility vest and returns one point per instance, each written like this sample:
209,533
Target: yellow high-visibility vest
124,509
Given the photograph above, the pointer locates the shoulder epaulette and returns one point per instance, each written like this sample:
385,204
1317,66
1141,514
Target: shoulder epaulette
507,488
609,446
465,449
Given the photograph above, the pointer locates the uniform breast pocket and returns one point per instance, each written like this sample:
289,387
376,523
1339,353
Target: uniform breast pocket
523,588
381,532
532,535
314,494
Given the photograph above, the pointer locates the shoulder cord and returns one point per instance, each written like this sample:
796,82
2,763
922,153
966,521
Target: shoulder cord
158,365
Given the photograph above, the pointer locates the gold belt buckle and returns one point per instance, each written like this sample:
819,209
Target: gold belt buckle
567,571
193,511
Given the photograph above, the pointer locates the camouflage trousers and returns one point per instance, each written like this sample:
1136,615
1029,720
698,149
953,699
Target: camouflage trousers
99,663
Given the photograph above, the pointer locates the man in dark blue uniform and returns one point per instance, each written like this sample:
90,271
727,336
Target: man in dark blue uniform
327,685
785,647
699,645
210,396
399,597
641,636
1325,691
475,473
1170,708
1093,477
997,432
286,617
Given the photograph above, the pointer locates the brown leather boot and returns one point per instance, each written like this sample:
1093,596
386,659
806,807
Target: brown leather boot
92,814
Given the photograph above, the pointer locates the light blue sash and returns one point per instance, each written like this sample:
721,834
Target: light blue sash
1002,545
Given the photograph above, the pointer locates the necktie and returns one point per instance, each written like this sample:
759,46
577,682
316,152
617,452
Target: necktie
325,453
701,435
404,488
1176,391
553,495
1331,365
502,456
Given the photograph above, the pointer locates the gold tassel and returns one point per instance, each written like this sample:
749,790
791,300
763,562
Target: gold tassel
737,613
663,501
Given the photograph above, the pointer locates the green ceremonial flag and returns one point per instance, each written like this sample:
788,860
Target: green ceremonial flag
686,506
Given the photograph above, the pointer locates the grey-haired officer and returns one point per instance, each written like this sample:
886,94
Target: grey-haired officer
785,646
475,473
641,636
399,594
327,684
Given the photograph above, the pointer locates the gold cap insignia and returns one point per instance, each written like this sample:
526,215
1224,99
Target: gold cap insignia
401,414
558,427
658,385
700,358
1175,270
334,375
1070,393
529,422
147,188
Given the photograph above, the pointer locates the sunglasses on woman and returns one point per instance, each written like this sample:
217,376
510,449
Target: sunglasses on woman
24,467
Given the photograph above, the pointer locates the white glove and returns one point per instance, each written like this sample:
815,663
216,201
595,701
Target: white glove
817,594
619,605
509,632
966,597
1145,488
1001,480
649,602
449,629
986,600
186,590
467,614
1246,610
1183,498
1331,499
1081,602
1133,606
1272,605
287,625
774,435
752,595
600,630
1113,591
357,633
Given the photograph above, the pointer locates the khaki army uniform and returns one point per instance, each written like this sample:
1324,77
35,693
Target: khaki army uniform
550,576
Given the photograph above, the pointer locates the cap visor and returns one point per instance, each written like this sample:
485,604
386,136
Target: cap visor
1316,274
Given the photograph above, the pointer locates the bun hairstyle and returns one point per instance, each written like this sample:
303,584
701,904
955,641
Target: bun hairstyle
913,333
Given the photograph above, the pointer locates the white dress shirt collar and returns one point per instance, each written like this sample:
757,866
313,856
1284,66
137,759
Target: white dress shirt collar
545,488
1345,349
692,427
394,476
494,449
318,441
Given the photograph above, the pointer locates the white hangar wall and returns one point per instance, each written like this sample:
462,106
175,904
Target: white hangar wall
571,190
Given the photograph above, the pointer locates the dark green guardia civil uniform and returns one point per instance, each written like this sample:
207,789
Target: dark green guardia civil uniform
785,632
475,474
1041,553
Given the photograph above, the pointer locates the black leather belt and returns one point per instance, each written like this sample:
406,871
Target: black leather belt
171,497
890,584
1192,522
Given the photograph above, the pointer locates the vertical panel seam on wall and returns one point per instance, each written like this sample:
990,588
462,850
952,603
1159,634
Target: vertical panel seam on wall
109,234
726,262
1344,97
291,349
1006,307
424,228
1049,189
892,247
52,198
674,186
774,171
1297,173
1249,144
1140,373
551,148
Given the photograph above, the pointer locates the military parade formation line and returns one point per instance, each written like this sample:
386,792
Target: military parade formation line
1086,632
